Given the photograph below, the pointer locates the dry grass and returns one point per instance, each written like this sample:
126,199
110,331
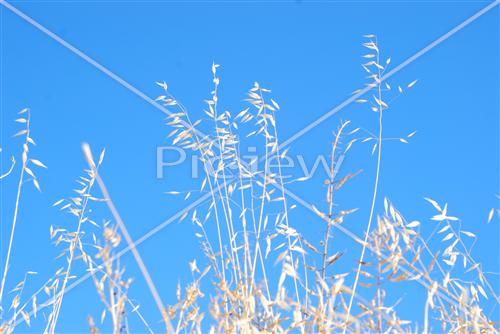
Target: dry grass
266,276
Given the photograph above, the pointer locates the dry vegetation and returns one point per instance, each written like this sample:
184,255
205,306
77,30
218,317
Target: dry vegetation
263,275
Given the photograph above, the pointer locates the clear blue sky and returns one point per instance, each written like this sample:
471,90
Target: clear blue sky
308,53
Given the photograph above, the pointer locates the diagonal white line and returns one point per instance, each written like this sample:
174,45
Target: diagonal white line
297,135
202,199
124,251
94,63
177,215
354,237
308,128
389,74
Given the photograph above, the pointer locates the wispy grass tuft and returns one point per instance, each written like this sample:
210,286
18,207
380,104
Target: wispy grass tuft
257,272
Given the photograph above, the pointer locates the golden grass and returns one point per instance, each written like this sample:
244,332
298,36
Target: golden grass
266,276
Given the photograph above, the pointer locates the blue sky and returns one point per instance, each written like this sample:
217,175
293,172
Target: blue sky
308,53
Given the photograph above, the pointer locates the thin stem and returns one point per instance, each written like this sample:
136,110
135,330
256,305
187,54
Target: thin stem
379,270
330,200
285,209
374,199
16,207
72,246
123,229
13,163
